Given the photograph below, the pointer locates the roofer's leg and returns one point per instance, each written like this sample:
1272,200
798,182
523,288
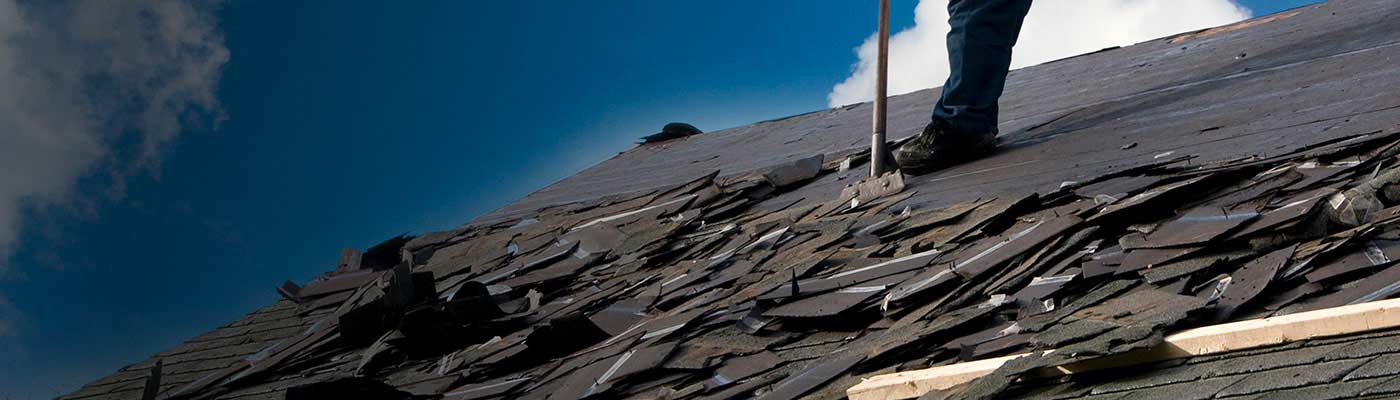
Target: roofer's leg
964,123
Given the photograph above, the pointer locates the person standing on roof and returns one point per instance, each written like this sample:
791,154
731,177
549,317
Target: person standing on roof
964,125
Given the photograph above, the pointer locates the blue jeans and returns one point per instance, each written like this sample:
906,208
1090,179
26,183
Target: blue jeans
979,52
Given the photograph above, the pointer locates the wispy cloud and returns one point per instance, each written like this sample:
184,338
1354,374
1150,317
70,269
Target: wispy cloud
1054,29
97,88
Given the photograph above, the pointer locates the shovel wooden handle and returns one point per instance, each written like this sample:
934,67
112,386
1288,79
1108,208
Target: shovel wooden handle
878,163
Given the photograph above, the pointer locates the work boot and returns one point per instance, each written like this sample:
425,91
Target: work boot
939,146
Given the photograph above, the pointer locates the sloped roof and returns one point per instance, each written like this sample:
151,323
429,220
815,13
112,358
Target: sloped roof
1345,367
1251,88
1176,183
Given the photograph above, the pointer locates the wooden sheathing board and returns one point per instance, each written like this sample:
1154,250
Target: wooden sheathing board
1214,339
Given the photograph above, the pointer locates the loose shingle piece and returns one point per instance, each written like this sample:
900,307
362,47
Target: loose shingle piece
787,277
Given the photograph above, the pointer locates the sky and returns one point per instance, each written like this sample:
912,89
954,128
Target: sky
165,164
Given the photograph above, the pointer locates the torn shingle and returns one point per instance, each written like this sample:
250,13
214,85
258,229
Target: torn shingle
1371,254
1199,226
1251,280
866,192
838,301
152,387
795,172
347,388
740,368
815,375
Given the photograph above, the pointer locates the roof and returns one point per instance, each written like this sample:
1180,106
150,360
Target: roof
1176,183
1345,367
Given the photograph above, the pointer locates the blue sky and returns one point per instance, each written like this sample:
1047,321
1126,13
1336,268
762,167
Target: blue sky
347,124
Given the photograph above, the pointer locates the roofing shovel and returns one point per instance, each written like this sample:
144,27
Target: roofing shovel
884,177
880,157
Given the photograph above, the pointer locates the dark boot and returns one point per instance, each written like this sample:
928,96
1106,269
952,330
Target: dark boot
940,147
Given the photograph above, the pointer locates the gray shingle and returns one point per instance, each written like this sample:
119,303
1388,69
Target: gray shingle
1366,348
1150,379
1388,387
1333,391
1267,361
1195,390
1292,377
1384,365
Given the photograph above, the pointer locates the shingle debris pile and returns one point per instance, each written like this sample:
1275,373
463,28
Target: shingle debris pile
731,288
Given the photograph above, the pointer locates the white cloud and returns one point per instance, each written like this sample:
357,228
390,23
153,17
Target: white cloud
1054,29
76,78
